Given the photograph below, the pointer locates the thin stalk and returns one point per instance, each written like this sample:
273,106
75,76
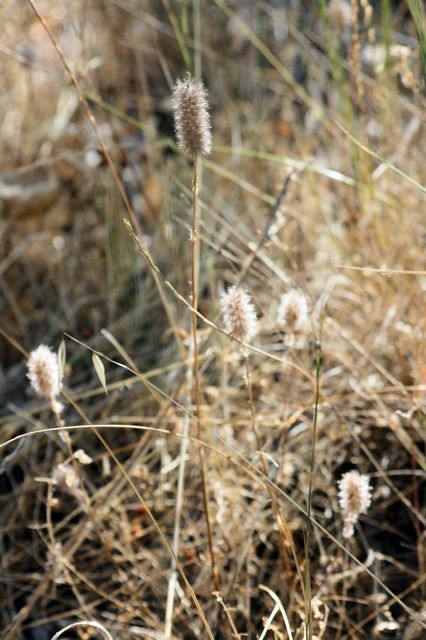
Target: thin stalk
85,499
308,532
419,533
285,533
178,514
67,439
197,39
194,292
64,434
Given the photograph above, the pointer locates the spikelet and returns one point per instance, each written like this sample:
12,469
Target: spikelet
239,314
354,499
43,372
192,120
293,311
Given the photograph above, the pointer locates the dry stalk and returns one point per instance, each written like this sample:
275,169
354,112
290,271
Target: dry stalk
285,537
201,453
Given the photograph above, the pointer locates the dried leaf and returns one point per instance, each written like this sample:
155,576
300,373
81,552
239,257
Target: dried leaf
100,370
62,357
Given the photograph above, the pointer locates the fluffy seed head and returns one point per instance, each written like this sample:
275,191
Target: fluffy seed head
293,311
239,314
192,120
354,499
43,372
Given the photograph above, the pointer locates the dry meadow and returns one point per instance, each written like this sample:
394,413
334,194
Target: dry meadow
230,331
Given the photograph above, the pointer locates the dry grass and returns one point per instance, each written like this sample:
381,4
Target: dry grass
337,102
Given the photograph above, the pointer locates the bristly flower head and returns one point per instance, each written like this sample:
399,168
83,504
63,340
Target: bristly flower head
239,314
192,120
43,372
354,499
293,311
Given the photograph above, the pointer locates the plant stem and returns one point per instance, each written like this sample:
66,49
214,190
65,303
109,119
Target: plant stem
179,506
194,287
309,501
285,537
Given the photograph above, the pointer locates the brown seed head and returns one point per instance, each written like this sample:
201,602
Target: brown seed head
192,120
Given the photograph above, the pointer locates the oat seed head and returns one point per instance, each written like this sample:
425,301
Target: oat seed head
191,115
354,499
239,314
293,311
43,372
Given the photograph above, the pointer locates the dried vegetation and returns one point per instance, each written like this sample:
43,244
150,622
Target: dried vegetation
333,96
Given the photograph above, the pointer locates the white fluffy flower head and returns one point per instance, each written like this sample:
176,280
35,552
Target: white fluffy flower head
43,372
192,120
239,314
293,311
354,499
